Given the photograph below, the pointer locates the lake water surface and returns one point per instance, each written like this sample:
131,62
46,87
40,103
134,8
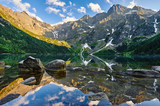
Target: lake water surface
84,77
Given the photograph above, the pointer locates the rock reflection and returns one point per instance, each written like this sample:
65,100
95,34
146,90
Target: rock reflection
32,79
60,74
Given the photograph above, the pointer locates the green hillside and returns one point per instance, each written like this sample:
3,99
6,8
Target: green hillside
150,46
13,40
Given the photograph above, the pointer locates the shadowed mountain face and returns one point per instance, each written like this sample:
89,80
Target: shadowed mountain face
119,22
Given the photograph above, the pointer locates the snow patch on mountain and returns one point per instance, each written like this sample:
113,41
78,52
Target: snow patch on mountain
101,40
155,25
2,24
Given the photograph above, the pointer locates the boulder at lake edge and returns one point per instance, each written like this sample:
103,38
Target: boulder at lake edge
56,65
31,66
156,68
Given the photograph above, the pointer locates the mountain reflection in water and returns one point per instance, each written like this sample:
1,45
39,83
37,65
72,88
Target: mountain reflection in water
73,86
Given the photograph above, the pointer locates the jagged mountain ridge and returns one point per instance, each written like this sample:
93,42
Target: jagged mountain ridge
118,23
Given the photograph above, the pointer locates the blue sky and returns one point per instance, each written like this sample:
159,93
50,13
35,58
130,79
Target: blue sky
56,11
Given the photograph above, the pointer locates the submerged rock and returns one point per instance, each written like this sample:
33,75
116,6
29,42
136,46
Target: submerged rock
56,65
96,69
9,98
156,68
98,97
31,66
78,69
143,73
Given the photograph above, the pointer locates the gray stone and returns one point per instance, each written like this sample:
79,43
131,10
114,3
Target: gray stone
56,65
143,73
9,98
98,97
78,69
156,68
31,66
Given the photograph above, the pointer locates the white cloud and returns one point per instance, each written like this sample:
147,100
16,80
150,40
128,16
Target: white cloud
131,4
57,23
34,15
70,13
155,10
110,3
82,10
72,4
51,9
19,6
67,19
64,10
95,7
55,2
34,9
61,15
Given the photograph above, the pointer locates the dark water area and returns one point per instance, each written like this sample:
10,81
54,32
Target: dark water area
85,77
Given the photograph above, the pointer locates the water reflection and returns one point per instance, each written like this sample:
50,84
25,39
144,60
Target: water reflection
58,94
80,81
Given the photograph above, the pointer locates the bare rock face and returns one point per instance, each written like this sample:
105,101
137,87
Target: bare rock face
31,66
98,97
143,73
56,65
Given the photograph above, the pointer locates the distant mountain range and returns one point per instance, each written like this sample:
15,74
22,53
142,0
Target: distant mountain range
120,24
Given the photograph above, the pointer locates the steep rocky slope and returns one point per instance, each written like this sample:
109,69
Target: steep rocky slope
30,25
13,40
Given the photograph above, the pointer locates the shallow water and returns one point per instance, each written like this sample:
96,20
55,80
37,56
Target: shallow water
85,77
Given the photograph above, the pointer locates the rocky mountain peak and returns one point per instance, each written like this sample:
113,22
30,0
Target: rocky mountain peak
143,11
85,17
117,8
137,8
